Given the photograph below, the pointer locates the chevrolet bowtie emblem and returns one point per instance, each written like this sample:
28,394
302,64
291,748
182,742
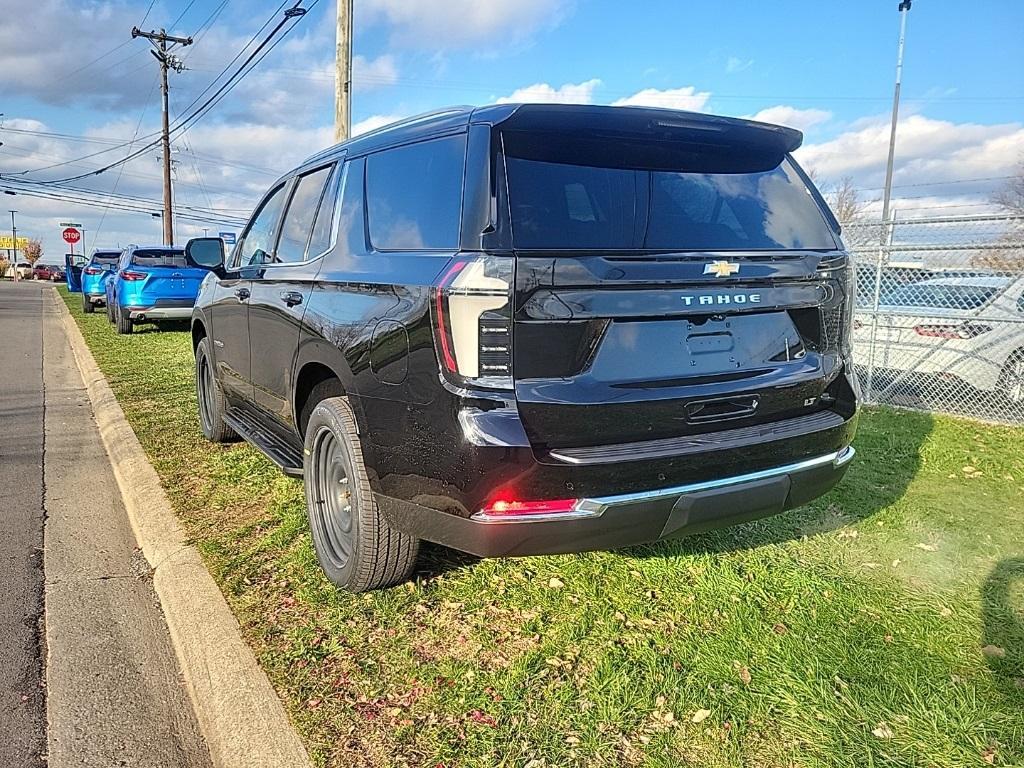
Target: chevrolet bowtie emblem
721,268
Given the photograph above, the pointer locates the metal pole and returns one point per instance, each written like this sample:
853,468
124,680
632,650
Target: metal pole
14,245
883,257
343,74
904,10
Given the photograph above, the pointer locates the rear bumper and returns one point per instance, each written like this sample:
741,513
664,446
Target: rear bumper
159,313
96,297
608,522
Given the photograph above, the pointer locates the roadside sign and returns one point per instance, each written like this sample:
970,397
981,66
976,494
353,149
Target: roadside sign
227,237
7,242
69,224
71,235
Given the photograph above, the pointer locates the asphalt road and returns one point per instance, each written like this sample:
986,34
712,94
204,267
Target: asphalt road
22,697
82,615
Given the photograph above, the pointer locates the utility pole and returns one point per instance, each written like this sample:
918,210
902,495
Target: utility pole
14,246
167,61
904,10
343,75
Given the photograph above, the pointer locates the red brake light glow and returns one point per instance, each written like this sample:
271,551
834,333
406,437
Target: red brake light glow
93,271
505,506
127,274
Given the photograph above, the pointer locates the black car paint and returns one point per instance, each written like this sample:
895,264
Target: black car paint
436,451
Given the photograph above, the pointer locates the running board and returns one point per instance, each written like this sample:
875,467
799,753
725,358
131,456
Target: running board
269,443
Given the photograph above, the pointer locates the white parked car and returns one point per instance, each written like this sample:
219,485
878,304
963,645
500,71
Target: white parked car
24,270
965,328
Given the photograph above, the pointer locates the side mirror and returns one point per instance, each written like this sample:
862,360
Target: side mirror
206,252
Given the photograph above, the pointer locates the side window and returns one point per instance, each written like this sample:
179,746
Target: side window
351,226
257,244
323,226
414,195
297,226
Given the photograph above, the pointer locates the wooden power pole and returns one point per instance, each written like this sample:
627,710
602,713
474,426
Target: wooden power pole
167,61
343,77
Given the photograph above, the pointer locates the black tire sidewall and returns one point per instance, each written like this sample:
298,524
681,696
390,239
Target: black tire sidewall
326,415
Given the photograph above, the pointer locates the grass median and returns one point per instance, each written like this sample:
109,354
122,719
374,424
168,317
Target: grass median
882,625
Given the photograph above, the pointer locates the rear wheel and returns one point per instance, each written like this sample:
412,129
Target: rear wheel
87,306
210,396
125,325
357,548
1011,381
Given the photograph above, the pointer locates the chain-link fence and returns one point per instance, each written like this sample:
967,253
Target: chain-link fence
939,323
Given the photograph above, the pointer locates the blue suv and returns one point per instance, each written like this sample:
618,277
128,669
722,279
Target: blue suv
94,278
152,283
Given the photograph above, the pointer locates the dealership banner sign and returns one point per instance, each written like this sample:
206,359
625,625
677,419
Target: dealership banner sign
6,243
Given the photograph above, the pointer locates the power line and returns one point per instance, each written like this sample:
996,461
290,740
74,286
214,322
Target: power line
198,113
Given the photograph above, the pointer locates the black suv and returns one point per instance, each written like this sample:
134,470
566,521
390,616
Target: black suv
526,329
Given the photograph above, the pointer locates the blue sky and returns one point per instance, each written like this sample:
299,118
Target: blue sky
825,67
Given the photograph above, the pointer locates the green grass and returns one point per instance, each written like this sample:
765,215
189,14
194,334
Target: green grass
881,626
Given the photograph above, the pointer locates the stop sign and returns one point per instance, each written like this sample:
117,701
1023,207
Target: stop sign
72,235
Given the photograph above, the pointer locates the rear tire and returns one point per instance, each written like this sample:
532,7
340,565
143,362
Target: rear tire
87,306
358,550
210,397
1011,380
125,325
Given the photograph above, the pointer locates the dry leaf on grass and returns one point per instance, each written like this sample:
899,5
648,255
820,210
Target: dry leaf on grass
927,547
700,715
882,731
994,652
556,583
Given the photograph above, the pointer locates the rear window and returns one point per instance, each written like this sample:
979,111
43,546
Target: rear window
175,258
621,195
963,297
106,258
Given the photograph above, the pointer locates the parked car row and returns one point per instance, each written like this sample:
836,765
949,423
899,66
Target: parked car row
140,283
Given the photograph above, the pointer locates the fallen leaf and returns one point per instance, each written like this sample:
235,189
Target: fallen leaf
945,612
701,715
994,652
989,755
556,583
745,675
780,629
968,469
927,547
882,731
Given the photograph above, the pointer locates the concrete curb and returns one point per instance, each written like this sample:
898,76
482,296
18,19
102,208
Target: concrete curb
241,717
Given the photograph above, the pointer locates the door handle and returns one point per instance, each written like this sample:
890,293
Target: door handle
242,294
291,298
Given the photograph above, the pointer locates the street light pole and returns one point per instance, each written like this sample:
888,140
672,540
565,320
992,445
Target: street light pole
904,10
14,245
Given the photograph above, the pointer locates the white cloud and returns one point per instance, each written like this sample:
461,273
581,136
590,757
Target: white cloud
462,23
969,156
569,93
735,64
803,119
374,122
368,74
688,98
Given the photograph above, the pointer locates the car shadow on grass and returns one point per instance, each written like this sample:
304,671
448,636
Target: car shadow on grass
888,445
1002,613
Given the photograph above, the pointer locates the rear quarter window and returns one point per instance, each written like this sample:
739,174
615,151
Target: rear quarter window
414,195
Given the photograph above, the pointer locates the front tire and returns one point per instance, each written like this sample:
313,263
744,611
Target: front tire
358,550
125,325
210,397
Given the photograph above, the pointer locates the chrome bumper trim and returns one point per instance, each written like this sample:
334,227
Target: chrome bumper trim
595,507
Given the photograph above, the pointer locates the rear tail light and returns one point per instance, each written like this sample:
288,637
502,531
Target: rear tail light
961,331
473,321
127,274
93,271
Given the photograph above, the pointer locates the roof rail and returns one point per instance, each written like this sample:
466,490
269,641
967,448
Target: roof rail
406,121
